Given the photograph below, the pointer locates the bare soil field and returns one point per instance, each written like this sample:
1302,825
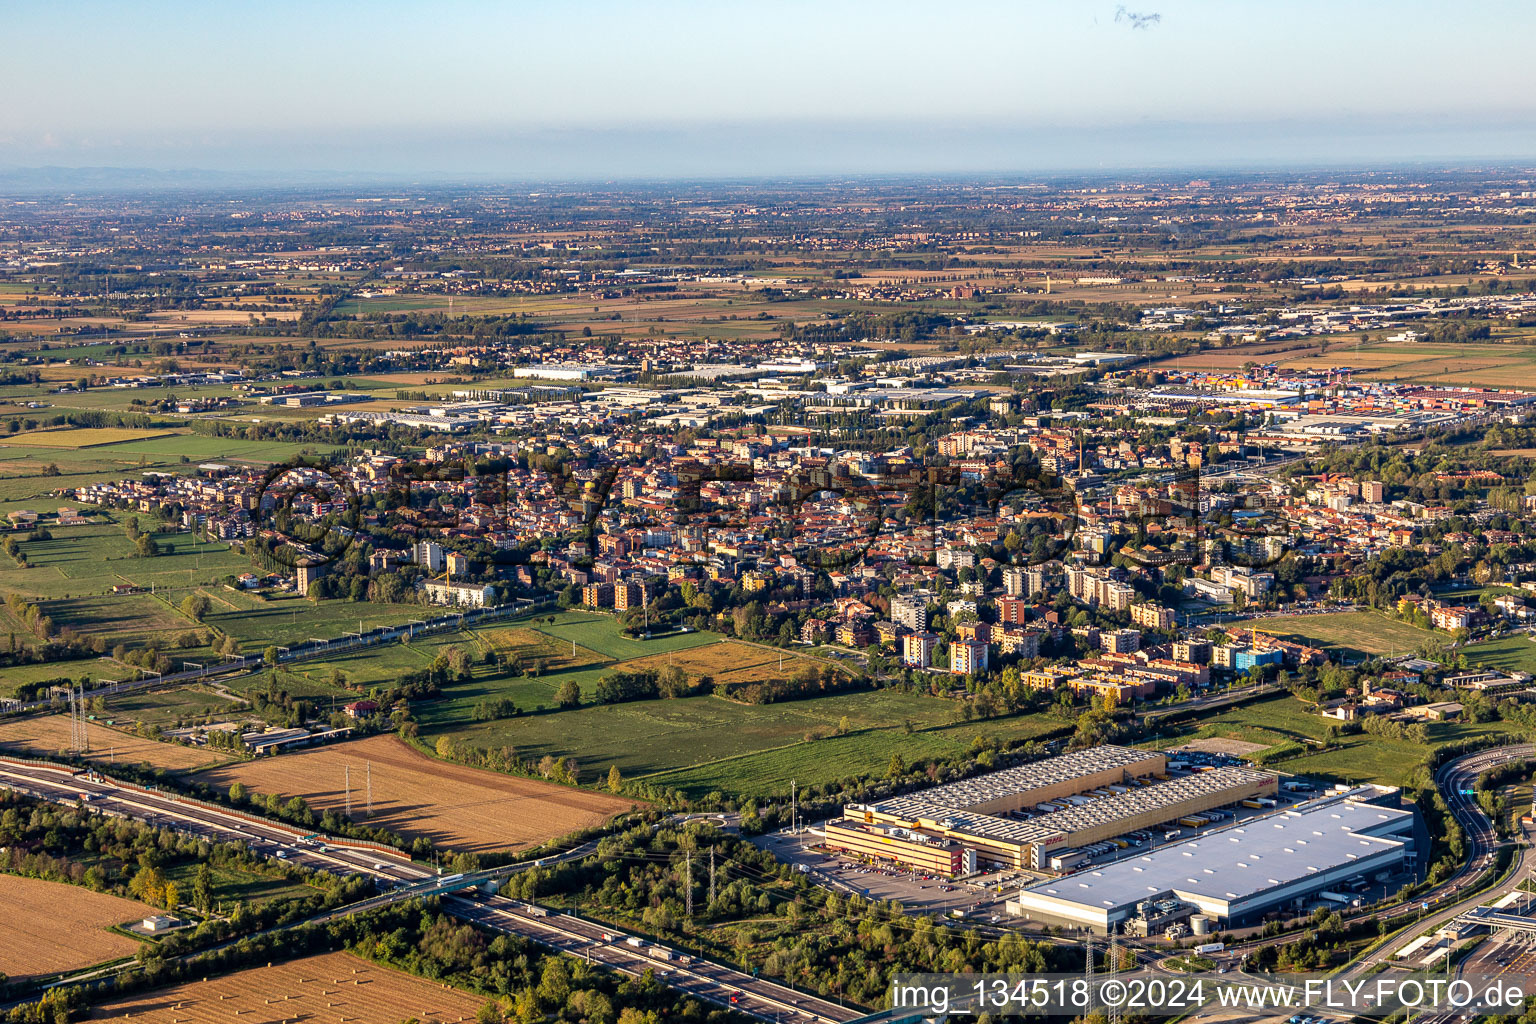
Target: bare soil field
415,795
84,437
1221,745
52,927
335,987
49,734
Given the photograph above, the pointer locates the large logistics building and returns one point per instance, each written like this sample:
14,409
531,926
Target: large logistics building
1019,817
1236,874
921,850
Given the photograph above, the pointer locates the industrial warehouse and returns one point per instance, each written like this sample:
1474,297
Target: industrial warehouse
1235,875
1038,816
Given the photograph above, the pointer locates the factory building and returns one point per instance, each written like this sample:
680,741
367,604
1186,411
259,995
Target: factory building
1234,876
1020,817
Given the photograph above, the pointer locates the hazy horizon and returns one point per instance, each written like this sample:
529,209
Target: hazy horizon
600,90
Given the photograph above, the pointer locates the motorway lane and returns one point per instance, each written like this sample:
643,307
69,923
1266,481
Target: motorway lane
1451,779
702,978
161,809
705,979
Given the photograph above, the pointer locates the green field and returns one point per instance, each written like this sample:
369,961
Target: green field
699,744
165,707
1357,633
1514,653
289,620
82,560
382,665
1356,758
601,633
90,669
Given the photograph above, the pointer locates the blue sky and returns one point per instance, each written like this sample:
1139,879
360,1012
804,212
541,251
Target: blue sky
458,88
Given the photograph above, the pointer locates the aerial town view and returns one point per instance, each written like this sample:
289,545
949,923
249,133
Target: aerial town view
488,538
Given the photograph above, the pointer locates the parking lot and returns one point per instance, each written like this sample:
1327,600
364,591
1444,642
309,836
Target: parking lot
978,899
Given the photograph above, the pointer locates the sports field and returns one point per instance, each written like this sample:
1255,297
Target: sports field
1357,633
335,987
455,807
52,927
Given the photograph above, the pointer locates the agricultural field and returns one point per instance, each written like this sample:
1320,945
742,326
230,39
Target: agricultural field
1479,365
1357,633
52,927
1514,653
456,807
336,987
289,619
1486,364
729,662
1360,757
530,646
48,735
81,437
80,561
705,743
601,634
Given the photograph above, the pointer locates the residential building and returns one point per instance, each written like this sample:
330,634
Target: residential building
910,611
967,657
429,555
917,649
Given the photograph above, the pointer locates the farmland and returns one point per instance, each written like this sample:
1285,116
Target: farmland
456,807
1358,757
82,437
705,743
1492,364
52,927
89,560
601,634
332,987
49,735
1358,633
728,661
529,646
1515,653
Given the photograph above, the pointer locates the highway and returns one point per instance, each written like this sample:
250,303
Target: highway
1452,779
403,880
704,979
